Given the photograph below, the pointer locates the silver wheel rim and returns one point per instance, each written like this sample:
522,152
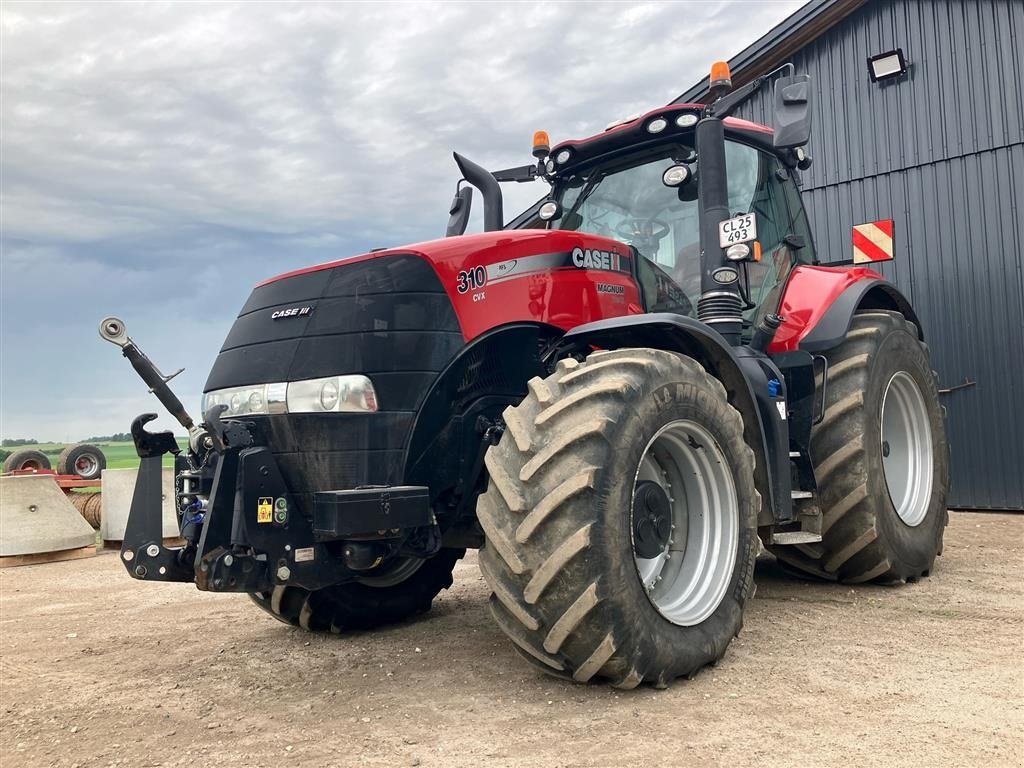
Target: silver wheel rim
906,448
86,465
688,579
395,574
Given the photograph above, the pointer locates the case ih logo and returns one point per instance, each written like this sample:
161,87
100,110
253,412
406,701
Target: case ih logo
290,312
594,259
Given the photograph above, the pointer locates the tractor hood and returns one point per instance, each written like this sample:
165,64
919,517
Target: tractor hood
488,277
417,305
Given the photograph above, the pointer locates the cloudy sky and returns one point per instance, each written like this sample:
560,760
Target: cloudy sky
157,159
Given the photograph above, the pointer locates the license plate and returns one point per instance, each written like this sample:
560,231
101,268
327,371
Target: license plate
741,229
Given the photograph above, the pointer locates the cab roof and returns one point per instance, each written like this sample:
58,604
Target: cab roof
634,134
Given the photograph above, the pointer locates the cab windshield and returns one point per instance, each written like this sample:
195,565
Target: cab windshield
627,200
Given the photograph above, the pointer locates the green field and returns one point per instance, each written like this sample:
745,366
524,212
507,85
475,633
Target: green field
119,455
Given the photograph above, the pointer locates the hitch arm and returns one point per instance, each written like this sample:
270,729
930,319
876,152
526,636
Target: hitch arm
113,329
142,551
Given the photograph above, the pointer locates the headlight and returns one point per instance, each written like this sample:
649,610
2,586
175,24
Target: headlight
333,394
242,401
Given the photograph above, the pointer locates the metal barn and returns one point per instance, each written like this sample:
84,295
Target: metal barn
919,118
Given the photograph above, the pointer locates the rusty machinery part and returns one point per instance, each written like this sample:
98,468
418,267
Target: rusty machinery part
602,552
880,457
89,505
26,459
84,460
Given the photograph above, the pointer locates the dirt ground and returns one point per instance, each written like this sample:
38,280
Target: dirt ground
101,670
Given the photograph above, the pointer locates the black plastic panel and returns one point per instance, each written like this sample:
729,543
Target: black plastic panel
259,363
386,351
388,274
299,288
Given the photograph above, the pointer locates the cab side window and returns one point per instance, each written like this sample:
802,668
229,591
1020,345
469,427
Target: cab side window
759,184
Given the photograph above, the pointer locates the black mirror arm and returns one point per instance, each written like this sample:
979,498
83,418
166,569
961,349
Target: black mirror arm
521,174
726,105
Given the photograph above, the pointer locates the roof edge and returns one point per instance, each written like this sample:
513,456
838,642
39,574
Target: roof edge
801,27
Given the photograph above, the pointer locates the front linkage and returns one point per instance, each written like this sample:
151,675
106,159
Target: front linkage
243,531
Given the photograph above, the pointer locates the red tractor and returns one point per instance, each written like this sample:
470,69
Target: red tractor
614,397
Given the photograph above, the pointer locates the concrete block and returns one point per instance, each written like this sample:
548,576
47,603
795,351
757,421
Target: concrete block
118,489
36,517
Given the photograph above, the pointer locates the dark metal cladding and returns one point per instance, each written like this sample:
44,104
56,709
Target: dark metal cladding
940,151
387,318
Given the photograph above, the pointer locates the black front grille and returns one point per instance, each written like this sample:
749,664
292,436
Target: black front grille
387,318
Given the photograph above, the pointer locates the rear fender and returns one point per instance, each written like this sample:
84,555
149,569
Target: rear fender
766,433
831,330
819,303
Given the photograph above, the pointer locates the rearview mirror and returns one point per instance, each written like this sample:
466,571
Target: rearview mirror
458,220
792,118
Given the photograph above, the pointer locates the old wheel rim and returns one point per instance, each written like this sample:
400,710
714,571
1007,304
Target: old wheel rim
395,574
687,580
907,448
86,465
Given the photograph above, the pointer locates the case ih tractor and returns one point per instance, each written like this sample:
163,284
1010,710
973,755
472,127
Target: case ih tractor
613,397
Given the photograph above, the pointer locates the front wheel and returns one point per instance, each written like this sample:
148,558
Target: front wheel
406,588
620,519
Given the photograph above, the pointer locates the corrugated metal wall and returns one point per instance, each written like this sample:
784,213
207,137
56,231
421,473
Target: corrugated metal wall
941,152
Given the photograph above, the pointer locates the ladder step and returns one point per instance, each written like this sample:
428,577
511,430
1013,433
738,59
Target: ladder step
802,494
796,537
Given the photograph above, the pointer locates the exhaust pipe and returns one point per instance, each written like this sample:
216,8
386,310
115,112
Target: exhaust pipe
484,180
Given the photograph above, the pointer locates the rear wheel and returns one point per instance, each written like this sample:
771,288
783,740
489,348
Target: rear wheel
407,588
880,458
620,519
26,459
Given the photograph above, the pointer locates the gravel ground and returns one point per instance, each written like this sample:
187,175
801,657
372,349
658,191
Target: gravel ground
98,670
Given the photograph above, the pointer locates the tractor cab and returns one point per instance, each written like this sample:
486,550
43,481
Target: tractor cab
654,184
637,183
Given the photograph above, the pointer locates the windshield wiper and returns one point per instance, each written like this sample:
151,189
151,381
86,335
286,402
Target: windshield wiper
588,188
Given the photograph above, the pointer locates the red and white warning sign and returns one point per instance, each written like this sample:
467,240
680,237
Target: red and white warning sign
872,241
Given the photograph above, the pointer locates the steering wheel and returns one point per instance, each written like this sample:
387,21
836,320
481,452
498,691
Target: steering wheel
646,230
643,229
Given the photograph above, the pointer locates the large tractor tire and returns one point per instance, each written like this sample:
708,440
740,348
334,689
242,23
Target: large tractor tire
26,459
620,519
408,589
880,458
86,461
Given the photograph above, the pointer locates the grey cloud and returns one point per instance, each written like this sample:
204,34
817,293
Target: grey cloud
158,159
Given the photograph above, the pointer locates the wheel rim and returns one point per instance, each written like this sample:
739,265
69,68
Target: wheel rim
907,448
690,574
86,465
398,572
